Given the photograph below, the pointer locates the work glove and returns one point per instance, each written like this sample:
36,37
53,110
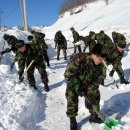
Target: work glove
21,79
111,73
123,81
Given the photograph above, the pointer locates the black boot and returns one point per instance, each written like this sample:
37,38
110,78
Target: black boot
46,88
73,123
48,64
95,119
65,58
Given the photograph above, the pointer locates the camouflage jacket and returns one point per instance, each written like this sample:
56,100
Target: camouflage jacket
39,37
114,57
82,70
12,40
118,37
76,36
103,38
89,42
60,40
31,54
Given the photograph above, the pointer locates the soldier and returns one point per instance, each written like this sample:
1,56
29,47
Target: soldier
115,54
83,75
11,40
27,53
60,43
76,38
118,37
90,41
39,37
103,38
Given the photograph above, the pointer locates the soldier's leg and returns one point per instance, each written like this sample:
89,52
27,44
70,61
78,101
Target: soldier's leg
30,75
74,49
58,52
72,106
21,66
46,58
44,77
93,98
65,54
79,48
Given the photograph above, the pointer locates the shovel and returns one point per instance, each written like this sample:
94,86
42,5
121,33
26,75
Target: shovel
109,123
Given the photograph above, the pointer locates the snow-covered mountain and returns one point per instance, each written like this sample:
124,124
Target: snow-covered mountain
22,108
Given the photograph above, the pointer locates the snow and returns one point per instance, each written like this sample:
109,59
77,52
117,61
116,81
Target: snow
23,108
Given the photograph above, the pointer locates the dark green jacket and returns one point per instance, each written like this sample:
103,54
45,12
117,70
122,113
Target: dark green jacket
60,40
82,72
114,57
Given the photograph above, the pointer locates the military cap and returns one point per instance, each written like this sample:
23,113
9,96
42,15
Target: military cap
91,33
32,31
20,43
72,28
5,36
100,50
102,32
121,44
30,37
113,33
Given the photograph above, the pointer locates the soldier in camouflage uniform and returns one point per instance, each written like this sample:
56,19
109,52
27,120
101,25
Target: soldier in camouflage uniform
60,43
39,37
27,53
83,75
76,38
103,38
11,40
115,54
117,37
89,41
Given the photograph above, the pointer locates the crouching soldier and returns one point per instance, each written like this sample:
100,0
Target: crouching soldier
28,53
61,44
83,75
115,54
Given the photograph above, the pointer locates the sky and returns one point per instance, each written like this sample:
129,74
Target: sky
39,12
23,108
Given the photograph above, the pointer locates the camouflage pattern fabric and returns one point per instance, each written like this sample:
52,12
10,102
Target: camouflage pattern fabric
41,45
83,77
117,37
76,38
103,38
60,43
89,43
114,58
12,40
25,58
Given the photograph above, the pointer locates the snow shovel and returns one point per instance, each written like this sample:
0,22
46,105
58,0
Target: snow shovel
26,70
109,123
109,71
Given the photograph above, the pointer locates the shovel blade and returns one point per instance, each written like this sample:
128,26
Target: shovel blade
109,123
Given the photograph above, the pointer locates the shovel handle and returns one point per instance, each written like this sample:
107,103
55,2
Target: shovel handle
27,68
98,113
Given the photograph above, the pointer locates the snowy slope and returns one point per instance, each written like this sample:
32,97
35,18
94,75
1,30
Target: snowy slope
22,108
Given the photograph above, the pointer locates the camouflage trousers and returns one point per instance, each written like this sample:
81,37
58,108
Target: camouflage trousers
58,52
77,48
92,97
30,73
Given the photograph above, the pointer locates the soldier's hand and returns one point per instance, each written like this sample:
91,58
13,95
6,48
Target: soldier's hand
21,79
